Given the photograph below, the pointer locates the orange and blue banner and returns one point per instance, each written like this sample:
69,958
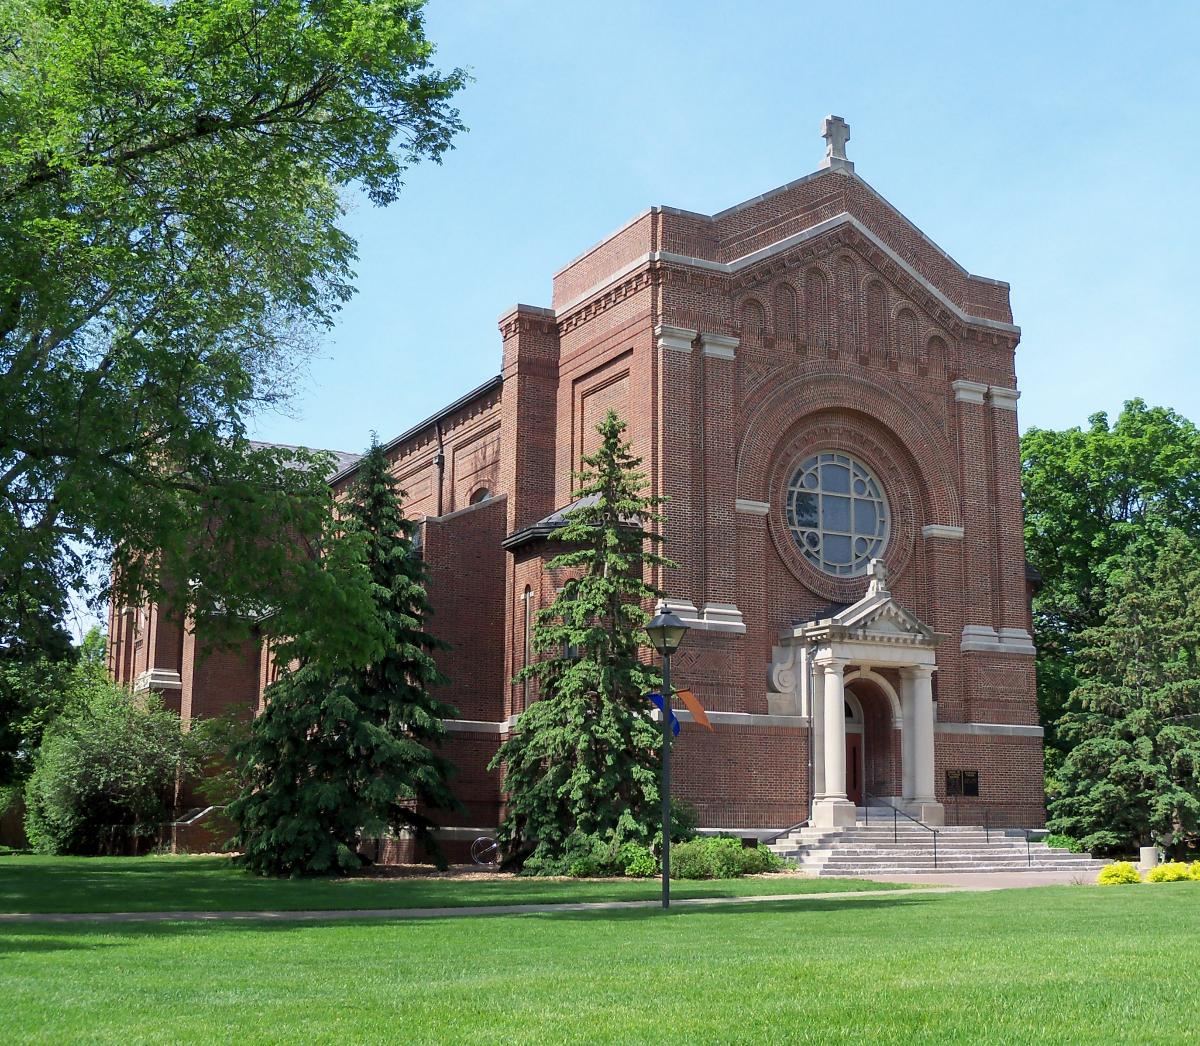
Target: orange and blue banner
692,705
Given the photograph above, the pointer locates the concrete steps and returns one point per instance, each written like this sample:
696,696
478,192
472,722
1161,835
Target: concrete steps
907,848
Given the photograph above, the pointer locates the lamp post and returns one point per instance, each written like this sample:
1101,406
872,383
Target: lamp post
666,633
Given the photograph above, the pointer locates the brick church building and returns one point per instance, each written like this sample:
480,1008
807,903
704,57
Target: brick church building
829,402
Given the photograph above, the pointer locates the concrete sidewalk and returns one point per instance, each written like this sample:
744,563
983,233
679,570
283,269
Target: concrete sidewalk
8,919
990,880
926,884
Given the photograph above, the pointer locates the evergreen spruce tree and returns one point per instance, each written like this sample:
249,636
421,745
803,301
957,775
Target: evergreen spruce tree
582,768
1133,772
342,753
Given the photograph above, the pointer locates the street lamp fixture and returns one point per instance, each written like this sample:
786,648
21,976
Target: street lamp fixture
666,633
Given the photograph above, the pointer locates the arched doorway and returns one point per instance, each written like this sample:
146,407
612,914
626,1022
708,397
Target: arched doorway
874,768
855,767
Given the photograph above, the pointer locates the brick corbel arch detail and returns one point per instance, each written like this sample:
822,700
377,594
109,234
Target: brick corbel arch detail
830,411
854,433
774,411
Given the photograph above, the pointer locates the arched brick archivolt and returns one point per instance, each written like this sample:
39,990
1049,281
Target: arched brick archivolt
849,432
773,410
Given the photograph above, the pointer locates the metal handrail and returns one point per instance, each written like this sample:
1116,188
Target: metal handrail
896,813
786,831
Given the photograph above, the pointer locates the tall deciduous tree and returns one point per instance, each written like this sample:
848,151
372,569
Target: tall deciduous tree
1133,720
582,765
342,752
172,179
1089,495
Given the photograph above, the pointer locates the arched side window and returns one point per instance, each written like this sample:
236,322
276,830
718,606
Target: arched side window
906,338
481,495
877,333
754,317
526,639
936,353
816,307
785,312
847,297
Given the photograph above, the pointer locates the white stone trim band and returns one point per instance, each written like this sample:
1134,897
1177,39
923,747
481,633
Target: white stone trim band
989,729
984,638
1003,399
158,679
719,346
714,617
968,391
752,508
757,719
942,530
820,229
677,339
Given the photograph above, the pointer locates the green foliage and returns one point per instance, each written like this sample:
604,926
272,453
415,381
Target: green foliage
639,861
104,777
1118,874
1090,495
583,763
1169,872
343,753
721,857
174,179
1064,842
1133,772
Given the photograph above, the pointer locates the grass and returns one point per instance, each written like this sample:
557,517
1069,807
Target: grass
1054,965
176,884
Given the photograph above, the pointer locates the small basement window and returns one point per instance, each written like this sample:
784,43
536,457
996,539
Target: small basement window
962,782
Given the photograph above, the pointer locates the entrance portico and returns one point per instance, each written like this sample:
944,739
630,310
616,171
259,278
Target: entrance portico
874,633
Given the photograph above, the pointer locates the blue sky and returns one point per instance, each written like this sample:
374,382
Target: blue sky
1057,149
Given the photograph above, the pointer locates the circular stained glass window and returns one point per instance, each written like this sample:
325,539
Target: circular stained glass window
837,514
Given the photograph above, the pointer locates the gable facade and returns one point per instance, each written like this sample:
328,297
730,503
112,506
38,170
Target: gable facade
812,334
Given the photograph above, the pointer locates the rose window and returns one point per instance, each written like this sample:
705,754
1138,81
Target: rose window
837,514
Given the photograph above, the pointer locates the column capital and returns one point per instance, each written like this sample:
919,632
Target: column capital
829,662
918,671
719,346
678,339
1003,399
968,391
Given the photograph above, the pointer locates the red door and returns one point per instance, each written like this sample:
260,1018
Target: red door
854,768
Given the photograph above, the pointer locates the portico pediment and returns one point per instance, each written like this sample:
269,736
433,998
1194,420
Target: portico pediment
875,619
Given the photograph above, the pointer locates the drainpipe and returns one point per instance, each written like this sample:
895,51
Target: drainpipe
439,459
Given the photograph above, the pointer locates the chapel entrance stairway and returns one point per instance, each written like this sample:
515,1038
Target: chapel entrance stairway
880,848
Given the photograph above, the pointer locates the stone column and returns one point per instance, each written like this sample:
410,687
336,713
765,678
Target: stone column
908,733
918,684
817,712
834,809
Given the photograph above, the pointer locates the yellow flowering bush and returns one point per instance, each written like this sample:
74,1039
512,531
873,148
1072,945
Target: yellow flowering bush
1170,872
1117,874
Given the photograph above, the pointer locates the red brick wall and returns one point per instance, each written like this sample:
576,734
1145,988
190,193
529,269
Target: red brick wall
839,345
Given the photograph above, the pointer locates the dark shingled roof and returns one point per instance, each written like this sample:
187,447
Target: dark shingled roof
342,459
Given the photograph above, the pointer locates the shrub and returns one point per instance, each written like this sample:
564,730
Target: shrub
104,776
759,859
720,857
1058,841
639,862
1117,874
1170,872
1195,870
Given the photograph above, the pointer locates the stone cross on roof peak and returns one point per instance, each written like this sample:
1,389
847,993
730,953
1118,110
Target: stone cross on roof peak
836,133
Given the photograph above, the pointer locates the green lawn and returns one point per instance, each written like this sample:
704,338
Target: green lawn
177,884
1056,964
